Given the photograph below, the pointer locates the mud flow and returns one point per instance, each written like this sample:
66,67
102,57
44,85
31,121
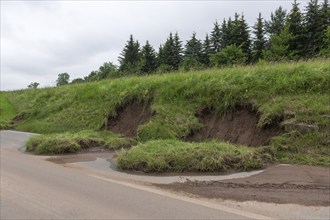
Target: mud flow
295,184
129,118
238,126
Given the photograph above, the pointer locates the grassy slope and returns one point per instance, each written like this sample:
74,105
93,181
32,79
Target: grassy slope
7,112
296,90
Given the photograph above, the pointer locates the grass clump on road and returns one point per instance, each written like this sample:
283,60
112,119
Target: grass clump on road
69,142
7,112
178,156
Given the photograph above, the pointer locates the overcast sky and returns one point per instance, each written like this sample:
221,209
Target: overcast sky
40,39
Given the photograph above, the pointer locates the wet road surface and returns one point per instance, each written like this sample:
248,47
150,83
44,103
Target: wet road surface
33,188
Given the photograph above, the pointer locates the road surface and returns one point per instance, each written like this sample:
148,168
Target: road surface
33,188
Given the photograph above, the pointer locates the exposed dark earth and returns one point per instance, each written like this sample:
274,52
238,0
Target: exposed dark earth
238,126
129,117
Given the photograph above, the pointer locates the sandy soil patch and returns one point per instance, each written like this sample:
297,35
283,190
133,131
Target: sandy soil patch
296,184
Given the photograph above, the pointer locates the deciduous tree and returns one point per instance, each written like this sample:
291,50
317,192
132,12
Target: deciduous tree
33,85
62,79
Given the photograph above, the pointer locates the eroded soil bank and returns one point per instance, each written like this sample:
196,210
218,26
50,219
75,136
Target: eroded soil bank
238,126
129,117
296,184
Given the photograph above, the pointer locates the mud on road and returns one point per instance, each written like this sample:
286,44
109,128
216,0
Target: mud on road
294,184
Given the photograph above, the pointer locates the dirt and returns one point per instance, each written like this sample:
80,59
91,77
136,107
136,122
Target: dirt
17,119
238,127
295,184
129,118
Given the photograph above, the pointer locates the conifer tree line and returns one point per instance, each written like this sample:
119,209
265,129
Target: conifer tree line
287,35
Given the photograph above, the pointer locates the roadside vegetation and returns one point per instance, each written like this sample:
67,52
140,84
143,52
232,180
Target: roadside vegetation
178,156
294,96
69,142
7,112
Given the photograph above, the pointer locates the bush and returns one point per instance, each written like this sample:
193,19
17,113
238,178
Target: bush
191,64
229,56
325,52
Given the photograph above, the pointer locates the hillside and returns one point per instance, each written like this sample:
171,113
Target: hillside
265,113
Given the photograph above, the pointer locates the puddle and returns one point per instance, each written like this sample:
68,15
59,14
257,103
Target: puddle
98,164
90,158
105,162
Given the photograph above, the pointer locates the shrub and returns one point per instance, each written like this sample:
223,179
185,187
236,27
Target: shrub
229,56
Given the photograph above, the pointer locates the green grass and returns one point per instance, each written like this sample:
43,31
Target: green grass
7,112
178,156
296,148
177,97
298,92
74,142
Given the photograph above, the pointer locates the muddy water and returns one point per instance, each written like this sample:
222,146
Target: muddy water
105,162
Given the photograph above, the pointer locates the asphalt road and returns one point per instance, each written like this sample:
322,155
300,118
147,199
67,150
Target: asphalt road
33,188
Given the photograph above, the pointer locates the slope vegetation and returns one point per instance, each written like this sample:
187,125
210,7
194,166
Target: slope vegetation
283,107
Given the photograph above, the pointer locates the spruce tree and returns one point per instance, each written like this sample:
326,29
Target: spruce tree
313,29
235,33
178,52
162,60
130,57
224,41
148,59
325,20
193,48
228,32
206,51
193,56
259,39
167,51
160,56
277,22
240,35
215,38
244,38
294,22
170,54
